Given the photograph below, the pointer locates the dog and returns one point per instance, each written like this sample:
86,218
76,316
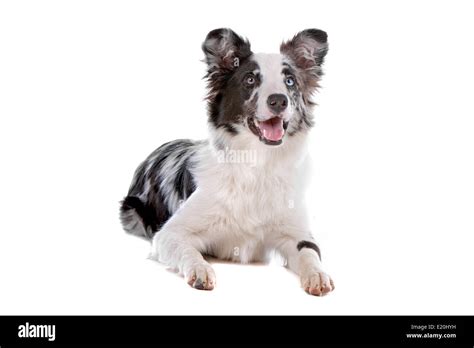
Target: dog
239,195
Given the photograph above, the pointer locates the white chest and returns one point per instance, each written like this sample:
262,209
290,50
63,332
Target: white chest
244,204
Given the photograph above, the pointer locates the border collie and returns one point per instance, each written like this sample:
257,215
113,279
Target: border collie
239,195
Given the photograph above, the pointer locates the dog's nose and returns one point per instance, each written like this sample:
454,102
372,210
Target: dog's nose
277,102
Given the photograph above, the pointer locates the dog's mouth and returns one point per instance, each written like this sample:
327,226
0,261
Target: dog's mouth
271,131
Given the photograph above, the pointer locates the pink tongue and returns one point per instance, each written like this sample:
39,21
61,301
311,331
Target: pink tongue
272,129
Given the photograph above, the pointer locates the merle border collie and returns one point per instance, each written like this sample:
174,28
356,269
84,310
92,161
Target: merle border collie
239,195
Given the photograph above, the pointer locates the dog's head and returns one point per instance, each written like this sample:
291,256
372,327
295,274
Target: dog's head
268,95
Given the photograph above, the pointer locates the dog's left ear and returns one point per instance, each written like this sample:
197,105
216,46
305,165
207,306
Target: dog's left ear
307,49
224,49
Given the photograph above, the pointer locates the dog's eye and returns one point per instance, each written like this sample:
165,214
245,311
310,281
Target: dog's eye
289,81
250,80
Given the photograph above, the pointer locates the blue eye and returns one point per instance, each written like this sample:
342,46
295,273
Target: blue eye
289,81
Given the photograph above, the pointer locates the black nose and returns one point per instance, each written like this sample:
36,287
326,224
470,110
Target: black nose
277,102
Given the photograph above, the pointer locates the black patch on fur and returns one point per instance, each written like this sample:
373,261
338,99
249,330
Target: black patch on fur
153,210
228,58
306,244
227,106
229,128
156,201
184,183
164,151
288,70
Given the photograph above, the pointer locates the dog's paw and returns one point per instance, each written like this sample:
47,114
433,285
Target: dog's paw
317,283
201,276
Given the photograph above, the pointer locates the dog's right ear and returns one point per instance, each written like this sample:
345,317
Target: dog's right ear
224,50
307,49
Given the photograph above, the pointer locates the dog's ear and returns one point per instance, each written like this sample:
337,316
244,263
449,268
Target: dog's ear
307,49
224,49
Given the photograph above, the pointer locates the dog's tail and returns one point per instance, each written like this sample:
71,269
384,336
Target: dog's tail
136,217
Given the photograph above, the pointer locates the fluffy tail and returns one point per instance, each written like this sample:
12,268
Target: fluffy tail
136,217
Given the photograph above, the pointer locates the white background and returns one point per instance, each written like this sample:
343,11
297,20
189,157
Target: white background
89,88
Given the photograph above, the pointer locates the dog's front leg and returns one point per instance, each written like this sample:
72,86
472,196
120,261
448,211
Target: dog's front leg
304,258
180,243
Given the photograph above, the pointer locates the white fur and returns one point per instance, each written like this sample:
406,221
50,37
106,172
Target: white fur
243,212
